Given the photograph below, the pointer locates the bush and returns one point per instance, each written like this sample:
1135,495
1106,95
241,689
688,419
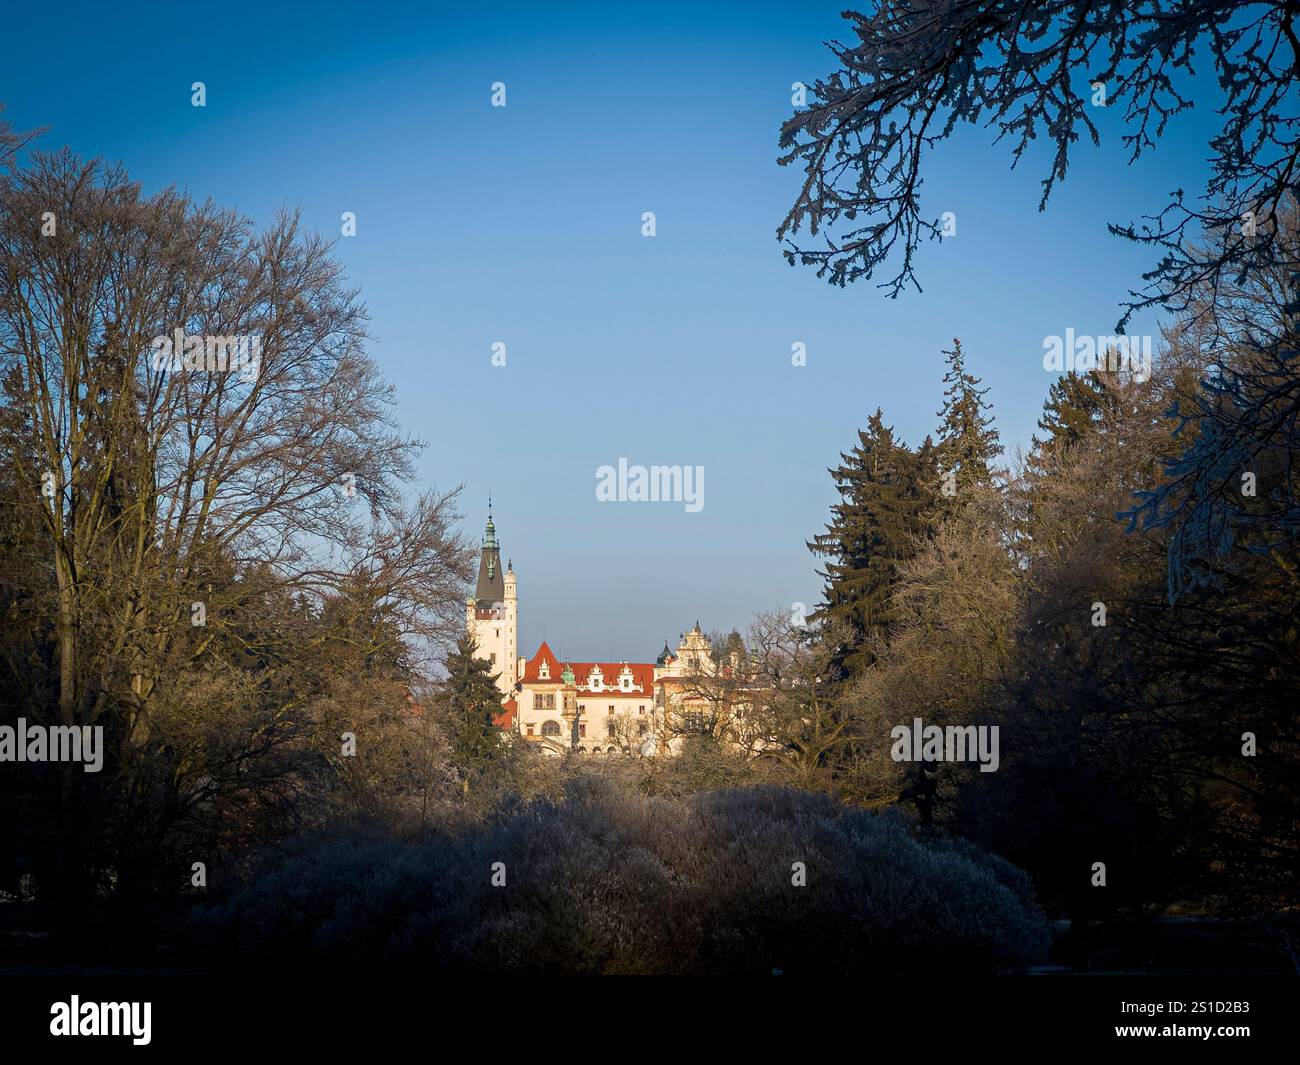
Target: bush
612,882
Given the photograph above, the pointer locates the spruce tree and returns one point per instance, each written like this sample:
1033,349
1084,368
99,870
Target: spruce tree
968,440
1074,406
1073,416
884,512
473,700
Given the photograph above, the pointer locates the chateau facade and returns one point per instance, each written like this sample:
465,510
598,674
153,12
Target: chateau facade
587,707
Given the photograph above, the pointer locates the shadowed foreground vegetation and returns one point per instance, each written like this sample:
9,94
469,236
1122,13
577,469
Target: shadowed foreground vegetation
612,882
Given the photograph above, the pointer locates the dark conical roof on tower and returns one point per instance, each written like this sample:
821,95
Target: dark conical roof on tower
491,586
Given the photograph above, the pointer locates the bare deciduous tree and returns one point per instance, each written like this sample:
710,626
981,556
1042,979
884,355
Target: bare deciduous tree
231,509
1032,70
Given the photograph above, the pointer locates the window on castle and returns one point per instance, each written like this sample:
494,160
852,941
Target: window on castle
582,728
550,728
492,658
611,709
611,730
641,731
641,709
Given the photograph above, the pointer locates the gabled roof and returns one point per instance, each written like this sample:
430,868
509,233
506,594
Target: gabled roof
643,673
533,667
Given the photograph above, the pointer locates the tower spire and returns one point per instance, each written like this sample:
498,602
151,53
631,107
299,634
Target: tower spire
492,613
489,589
490,533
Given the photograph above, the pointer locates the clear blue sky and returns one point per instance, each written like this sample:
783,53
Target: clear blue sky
522,225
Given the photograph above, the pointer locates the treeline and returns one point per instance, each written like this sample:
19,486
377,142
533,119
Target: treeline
1121,602
227,574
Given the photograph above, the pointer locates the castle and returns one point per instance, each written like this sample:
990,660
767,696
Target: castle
586,707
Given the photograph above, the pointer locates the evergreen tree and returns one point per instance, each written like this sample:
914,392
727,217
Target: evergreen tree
473,700
1073,404
1074,416
1076,403
884,512
729,649
968,441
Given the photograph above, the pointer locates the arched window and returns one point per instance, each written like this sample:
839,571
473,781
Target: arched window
550,728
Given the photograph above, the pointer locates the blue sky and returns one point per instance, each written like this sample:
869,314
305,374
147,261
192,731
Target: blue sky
523,225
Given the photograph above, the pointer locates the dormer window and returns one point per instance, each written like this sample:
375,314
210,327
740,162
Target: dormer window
545,671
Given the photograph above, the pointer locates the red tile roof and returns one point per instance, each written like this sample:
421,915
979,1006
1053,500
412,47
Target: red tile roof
532,668
506,718
643,673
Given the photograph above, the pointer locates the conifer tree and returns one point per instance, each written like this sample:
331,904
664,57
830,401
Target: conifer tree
1072,412
884,511
1073,403
968,440
473,700
1073,417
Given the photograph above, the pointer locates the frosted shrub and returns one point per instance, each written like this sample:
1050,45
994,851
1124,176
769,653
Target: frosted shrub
611,882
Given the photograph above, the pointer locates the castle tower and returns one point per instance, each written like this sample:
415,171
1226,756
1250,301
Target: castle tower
492,613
